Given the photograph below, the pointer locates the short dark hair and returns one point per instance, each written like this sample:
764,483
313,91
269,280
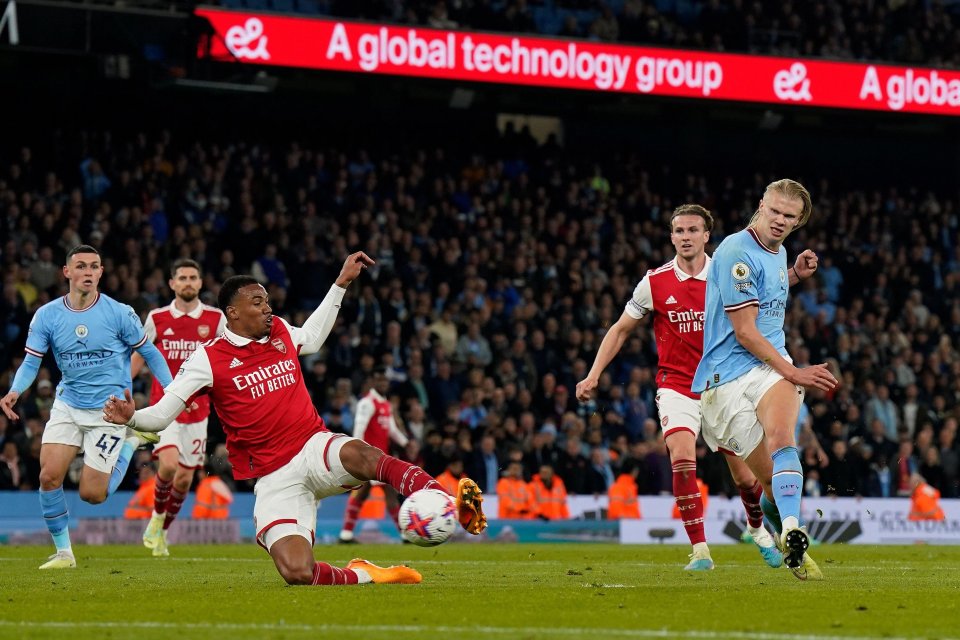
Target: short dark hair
230,287
184,262
80,248
693,210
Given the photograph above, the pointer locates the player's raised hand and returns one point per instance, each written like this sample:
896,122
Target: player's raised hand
119,411
352,266
7,402
817,376
806,264
585,389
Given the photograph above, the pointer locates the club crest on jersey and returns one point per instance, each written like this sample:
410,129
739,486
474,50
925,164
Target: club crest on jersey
740,271
664,420
783,275
734,445
81,331
278,344
203,330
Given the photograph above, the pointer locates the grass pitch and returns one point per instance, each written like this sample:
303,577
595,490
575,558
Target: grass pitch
472,590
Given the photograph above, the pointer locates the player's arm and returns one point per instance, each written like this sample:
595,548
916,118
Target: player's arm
362,417
133,334
397,434
155,362
744,321
639,306
38,341
194,375
311,336
26,374
136,360
803,267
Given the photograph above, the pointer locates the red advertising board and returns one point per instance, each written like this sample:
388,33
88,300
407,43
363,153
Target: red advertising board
312,43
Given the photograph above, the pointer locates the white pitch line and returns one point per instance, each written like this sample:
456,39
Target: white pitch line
444,629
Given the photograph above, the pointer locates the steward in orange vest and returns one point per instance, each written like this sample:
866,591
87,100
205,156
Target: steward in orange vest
141,504
213,499
549,494
516,501
450,478
622,495
924,501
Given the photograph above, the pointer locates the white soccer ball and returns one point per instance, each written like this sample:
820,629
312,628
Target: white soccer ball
428,517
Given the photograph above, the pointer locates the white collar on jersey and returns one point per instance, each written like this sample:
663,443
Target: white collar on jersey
241,341
195,314
681,276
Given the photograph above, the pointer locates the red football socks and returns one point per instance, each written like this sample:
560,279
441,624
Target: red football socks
689,501
353,511
406,478
173,507
324,574
751,504
161,494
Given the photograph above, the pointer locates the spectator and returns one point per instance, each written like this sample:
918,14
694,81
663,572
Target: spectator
549,494
513,493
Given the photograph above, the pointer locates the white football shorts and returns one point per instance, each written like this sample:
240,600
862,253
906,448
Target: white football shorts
286,500
677,412
189,439
85,428
730,420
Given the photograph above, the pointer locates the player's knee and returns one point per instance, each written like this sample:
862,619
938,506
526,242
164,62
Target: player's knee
49,481
294,574
360,459
92,496
181,484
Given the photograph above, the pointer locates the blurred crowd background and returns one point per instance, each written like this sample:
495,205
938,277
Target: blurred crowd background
499,267
503,252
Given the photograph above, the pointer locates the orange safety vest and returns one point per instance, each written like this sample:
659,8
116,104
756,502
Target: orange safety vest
212,504
925,504
552,502
623,498
515,499
449,482
141,504
704,497
375,506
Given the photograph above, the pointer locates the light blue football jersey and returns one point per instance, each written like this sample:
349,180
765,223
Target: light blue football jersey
92,347
743,273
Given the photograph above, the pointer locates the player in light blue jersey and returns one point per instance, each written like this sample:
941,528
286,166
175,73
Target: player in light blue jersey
751,392
92,337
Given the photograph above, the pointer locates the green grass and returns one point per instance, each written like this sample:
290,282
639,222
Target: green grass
471,591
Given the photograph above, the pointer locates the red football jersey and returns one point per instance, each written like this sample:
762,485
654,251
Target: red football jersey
373,418
677,302
177,335
259,394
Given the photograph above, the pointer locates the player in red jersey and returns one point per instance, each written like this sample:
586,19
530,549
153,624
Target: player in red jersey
177,330
675,295
375,425
274,434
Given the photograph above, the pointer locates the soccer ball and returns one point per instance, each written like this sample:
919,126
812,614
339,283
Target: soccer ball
428,517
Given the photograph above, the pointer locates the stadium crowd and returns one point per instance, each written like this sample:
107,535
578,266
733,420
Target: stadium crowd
498,270
909,31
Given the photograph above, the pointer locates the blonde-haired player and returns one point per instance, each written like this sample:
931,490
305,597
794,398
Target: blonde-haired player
750,390
674,294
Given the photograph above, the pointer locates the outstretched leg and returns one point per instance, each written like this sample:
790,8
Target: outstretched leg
366,463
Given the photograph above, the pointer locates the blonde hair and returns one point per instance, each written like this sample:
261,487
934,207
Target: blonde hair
792,190
692,210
